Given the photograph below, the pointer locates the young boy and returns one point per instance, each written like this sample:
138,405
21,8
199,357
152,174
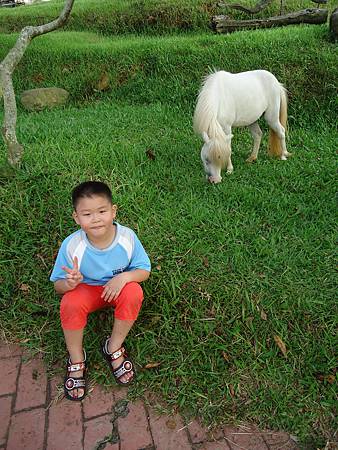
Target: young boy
99,265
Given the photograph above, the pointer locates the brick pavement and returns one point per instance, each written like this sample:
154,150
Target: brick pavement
35,416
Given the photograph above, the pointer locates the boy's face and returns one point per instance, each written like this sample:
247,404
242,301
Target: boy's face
95,215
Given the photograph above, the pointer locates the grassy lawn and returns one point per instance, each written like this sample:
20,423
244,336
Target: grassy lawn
233,265
236,265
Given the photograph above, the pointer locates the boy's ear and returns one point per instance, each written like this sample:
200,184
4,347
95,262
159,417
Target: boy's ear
75,217
114,209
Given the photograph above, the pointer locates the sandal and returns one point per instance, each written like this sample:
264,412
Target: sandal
126,367
71,383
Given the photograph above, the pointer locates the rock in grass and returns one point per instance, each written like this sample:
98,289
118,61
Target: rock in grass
42,98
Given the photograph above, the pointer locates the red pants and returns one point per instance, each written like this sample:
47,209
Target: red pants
84,299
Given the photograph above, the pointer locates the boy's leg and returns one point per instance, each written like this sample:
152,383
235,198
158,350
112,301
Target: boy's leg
74,309
127,307
74,343
120,331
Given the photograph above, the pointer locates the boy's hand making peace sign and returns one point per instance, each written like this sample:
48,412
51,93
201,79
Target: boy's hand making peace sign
74,276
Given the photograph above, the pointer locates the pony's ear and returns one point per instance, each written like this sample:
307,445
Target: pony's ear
205,137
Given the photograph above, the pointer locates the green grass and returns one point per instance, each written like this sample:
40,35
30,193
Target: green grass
234,264
143,70
260,241
130,16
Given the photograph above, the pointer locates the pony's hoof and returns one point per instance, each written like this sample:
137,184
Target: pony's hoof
229,171
283,158
251,159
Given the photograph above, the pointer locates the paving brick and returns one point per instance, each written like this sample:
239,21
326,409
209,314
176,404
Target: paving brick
244,439
9,369
56,386
134,428
197,432
27,430
216,445
168,433
32,385
279,440
9,350
98,430
5,416
120,393
100,401
65,425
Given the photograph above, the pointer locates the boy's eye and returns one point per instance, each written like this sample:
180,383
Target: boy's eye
102,211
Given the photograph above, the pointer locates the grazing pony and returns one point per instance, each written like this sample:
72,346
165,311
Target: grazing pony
229,100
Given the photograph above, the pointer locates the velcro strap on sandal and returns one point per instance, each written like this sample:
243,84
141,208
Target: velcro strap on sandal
73,383
125,367
115,355
76,367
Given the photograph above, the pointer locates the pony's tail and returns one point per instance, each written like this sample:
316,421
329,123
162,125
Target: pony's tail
274,145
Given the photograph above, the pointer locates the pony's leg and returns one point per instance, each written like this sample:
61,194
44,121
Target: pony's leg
256,133
230,167
274,123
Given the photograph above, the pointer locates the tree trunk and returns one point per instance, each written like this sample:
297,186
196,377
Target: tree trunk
222,24
7,67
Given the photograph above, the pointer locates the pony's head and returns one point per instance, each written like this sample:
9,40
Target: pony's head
214,155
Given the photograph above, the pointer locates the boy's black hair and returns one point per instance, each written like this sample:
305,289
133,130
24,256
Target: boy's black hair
88,189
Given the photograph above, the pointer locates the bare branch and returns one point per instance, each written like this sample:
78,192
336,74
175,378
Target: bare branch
7,68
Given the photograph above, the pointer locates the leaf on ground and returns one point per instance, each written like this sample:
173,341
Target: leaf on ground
280,344
24,287
205,262
152,365
263,315
322,377
150,154
171,424
232,390
226,357
158,267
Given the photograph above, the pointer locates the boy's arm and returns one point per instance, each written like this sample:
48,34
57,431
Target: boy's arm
114,286
137,275
62,286
73,278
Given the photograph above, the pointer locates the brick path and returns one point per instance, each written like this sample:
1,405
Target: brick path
34,416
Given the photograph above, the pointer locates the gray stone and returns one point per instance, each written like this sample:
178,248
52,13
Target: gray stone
38,99
334,24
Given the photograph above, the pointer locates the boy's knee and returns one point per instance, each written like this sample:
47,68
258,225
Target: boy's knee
133,291
68,305
129,302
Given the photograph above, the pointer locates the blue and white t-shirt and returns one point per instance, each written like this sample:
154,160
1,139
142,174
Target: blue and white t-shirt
98,266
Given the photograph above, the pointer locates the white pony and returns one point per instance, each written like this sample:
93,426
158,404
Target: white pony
226,100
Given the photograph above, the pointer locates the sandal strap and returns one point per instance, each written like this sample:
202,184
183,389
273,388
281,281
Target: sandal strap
125,367
76,367
116,354
74,383
81,365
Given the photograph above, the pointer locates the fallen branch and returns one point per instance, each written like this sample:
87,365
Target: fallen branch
223,24
7,67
